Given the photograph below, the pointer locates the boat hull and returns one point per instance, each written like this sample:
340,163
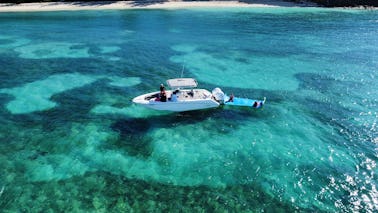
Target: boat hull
205,102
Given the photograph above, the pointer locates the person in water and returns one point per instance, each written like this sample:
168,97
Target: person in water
258,104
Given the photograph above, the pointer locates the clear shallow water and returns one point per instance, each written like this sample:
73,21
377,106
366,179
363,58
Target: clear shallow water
70,138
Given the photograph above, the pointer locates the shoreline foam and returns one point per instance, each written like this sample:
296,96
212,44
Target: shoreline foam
120,5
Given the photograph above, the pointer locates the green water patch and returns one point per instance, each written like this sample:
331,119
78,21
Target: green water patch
176,154
123,82
317,161
302,186
242,70
352,117
5,41
46,168
109,49
84,155
10,42
36,96
352,131
52,50
102,191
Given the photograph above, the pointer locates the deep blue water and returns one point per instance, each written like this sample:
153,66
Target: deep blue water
71,139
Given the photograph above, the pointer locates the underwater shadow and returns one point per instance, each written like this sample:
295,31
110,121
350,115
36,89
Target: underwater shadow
133,131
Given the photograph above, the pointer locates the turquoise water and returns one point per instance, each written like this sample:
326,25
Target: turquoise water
71,140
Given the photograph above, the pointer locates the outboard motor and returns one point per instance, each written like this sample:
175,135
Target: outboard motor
218,94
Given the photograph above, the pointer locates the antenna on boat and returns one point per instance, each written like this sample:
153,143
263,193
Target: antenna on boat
183,68
182,71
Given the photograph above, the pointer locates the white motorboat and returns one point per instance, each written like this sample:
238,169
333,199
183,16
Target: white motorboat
189,98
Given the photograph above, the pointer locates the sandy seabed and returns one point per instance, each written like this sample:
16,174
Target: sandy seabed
59,6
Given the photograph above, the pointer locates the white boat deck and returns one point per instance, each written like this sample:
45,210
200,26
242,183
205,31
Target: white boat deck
195,94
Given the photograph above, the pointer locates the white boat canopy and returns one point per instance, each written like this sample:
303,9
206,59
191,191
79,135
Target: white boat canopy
182,83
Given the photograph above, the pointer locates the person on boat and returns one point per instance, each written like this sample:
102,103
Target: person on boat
162,88
191,93
174,97
231,99
163,96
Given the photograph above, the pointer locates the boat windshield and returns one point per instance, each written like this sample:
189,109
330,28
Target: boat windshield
182,83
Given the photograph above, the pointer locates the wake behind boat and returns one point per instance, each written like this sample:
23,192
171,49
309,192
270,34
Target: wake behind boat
184,96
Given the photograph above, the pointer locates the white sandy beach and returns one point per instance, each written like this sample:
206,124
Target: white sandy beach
119,5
